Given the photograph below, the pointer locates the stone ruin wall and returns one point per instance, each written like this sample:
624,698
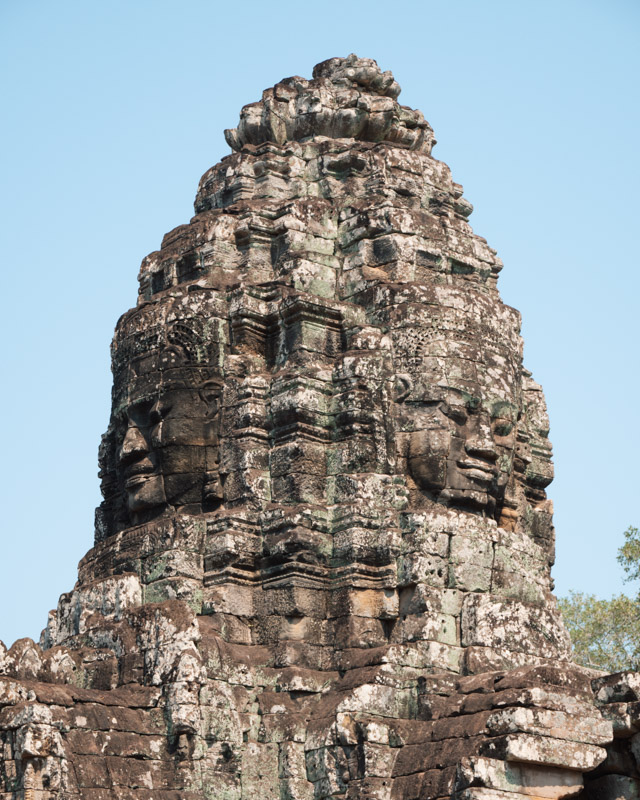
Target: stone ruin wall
322,562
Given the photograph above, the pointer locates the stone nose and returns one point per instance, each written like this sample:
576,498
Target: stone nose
480,443
133,446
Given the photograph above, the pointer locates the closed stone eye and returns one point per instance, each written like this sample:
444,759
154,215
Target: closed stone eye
456,413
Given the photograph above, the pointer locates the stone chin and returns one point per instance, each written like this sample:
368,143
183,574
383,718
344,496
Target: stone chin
145,494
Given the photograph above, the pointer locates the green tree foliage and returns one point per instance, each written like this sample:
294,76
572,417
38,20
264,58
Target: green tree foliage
606,633
629,554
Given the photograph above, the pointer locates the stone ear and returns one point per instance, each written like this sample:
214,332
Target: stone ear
210,393
403,387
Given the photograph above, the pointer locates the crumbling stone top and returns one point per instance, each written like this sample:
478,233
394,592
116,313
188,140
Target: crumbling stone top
348,98
360,72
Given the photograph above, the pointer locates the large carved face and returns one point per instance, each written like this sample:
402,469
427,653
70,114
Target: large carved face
460,355
167,448
161,451
462,451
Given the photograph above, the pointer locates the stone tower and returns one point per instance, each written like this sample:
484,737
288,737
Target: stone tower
322,562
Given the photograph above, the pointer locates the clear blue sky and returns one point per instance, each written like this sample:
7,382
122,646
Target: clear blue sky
112,111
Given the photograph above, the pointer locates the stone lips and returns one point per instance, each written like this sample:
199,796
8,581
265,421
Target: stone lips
322,563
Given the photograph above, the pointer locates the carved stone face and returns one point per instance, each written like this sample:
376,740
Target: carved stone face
463,452
459,390
161,450
167,452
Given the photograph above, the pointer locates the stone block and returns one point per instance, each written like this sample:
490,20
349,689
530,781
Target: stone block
557,724
428,627
544,750
515,626
528,780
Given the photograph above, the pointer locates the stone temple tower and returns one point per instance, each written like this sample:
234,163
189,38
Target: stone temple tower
322,563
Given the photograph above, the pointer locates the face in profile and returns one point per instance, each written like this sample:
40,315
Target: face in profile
462,453
167,450
161,451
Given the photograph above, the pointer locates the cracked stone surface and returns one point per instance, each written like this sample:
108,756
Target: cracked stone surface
322,562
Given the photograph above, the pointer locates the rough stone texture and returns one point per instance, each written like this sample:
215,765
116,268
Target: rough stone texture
322,563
